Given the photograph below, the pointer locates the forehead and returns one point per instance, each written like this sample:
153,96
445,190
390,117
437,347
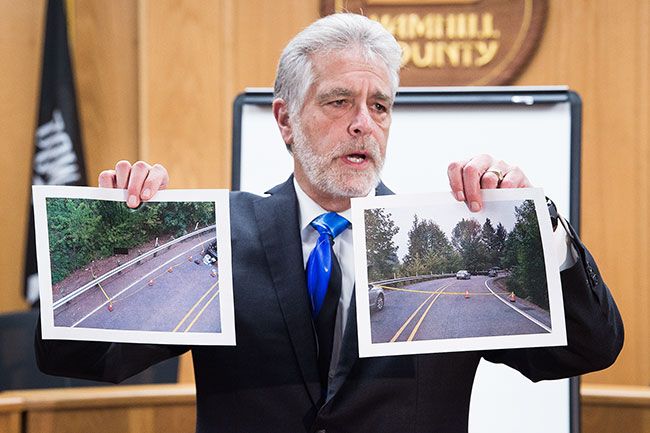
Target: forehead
349,70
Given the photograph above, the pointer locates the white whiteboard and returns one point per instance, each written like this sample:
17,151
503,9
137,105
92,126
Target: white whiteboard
534,128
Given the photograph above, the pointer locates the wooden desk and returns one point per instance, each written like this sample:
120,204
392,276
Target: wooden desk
10,411
125,409
615,409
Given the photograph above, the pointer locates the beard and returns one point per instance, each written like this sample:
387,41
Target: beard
326,175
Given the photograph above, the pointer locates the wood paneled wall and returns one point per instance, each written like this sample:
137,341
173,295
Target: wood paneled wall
156,80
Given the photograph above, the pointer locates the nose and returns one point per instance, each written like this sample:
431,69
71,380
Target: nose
361,122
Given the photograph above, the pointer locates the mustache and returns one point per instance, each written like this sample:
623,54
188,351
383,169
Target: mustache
367,146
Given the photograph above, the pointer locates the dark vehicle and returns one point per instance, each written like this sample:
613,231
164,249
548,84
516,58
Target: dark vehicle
492,273
210,256
375,297
463,275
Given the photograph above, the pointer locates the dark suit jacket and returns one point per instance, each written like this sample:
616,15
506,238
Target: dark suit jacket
269,381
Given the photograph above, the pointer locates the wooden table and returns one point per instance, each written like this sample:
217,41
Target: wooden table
615,409
126,409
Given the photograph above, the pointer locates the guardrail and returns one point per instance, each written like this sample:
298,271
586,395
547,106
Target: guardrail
70,296
425,277
415,278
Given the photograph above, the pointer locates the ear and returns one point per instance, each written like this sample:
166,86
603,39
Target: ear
281,114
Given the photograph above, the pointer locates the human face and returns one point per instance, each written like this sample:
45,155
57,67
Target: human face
340,134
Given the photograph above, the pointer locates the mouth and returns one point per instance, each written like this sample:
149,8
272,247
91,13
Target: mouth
356,158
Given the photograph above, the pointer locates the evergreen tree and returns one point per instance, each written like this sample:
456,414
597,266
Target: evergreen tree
524,257
381,251
466,238
429,250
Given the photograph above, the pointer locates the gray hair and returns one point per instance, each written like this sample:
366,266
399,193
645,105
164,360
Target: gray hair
336,32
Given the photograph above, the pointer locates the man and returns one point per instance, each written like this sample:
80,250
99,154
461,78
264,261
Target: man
335,87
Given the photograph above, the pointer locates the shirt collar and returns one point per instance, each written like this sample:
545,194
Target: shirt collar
309,209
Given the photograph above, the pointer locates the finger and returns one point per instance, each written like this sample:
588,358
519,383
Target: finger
490,179
139,172
157,179
515,178
472,173
107,179
122,172
455,175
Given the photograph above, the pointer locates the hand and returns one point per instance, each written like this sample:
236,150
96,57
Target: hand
468,177
142,180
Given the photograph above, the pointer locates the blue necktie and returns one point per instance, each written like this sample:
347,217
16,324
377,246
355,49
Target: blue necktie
324,284
319,265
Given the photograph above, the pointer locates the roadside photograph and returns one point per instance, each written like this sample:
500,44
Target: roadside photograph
437,272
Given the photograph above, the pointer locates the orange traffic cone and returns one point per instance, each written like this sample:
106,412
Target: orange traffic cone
189,258
110,307
151,282
171,269
512,297
466,294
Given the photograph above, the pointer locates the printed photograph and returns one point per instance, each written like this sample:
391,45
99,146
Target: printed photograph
157,272
436,272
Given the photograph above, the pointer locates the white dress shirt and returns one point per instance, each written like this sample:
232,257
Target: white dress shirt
342,247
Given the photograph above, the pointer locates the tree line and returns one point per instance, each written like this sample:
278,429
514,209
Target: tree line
82,230
473,246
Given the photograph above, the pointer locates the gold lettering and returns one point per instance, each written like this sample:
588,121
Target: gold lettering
452,51
450,24
486,52
461,24
435,40
487,27
419,60
467,50
472,26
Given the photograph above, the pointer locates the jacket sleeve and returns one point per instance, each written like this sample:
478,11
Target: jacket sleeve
100,361
593,325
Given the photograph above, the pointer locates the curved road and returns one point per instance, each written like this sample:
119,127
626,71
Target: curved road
170,292
450,308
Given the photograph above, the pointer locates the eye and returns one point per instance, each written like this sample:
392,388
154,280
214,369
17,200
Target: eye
380,107
338,102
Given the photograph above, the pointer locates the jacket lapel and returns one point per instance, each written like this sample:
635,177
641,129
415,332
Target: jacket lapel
278,222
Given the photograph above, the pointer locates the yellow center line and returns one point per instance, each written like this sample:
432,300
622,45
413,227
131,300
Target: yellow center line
434,291
194,306
417,325
408,290
400,330
202,310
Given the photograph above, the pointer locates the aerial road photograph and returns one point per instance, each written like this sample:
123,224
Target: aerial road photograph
154,268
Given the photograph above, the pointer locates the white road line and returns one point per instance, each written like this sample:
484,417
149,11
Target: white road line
138,281
527,316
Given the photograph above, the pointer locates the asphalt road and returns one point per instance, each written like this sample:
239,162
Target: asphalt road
450,308
170,293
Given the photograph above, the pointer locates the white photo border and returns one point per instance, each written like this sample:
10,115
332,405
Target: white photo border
557,336
219,197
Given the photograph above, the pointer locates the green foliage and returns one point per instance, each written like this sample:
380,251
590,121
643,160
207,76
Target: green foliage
466,238
381,251
82,230
522,256
429,250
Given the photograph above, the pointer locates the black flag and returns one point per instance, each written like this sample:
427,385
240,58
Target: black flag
58,157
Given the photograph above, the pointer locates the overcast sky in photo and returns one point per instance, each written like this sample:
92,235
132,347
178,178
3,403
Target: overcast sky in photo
448,215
